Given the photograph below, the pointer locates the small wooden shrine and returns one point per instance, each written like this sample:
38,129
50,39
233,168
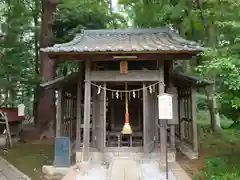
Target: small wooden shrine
121,73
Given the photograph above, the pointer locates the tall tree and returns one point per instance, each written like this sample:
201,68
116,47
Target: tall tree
47,108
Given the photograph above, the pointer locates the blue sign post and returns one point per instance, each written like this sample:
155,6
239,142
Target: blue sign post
62,152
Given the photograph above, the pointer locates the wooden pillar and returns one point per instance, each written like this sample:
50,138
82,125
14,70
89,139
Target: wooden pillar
145,119
79,115
59,114
102,118
194,120
156,121
173,91
94,117
87,109
172,136
163,123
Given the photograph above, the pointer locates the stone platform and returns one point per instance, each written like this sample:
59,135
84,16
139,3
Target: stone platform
119,166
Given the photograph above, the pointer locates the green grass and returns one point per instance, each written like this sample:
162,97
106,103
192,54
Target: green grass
29,158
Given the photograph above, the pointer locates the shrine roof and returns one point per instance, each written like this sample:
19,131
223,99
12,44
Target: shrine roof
190,79
127,40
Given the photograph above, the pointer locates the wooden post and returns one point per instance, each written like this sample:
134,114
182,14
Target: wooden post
145,116
194,120
172,136
173,91
105,115
79,115
102,118
156,121
94,117
87,109
59,114
163,123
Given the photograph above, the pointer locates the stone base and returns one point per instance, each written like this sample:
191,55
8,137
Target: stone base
52,172
109,156
186,150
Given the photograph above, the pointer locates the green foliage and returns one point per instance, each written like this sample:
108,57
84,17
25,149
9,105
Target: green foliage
217,168
16,68
73,16
222,65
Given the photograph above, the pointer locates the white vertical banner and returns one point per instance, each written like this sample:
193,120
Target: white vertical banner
21,109
165,107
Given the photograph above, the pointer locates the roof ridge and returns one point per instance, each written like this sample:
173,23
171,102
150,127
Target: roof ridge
129,31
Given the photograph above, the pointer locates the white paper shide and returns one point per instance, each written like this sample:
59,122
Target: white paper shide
165,106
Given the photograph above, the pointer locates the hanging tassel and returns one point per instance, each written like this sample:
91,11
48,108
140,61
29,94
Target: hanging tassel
121,95
126,127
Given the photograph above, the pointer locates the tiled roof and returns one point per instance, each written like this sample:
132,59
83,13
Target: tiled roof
119,40
190,79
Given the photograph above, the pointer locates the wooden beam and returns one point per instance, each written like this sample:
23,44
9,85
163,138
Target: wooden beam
134,75
59,114
87,109
194,119
110,57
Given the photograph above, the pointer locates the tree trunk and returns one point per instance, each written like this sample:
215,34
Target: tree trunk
213,109
46,108
36,48
212,101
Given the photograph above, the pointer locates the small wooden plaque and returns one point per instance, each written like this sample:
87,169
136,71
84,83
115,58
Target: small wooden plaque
123,67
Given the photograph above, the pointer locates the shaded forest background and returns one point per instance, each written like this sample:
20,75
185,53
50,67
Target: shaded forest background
28,25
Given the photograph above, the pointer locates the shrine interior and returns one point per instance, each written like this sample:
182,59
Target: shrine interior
116,115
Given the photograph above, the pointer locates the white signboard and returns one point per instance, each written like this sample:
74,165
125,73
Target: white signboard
21,109
165,108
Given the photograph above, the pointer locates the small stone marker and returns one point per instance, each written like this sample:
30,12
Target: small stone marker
62,152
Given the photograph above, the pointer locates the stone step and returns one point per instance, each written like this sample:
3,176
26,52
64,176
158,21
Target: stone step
123,169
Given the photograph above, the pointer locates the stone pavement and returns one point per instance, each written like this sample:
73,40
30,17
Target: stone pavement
124,169
127,169
9,172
